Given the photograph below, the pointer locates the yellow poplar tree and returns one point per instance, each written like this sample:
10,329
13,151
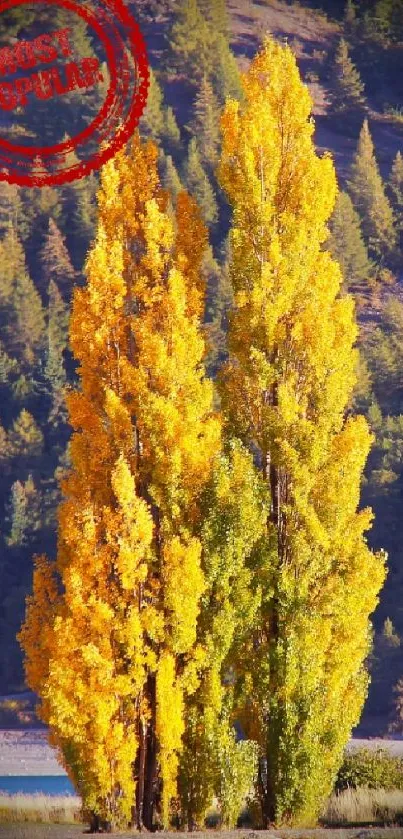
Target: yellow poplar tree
110,632
286,388
213,763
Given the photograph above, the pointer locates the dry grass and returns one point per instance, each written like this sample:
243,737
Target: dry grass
365,806
39,808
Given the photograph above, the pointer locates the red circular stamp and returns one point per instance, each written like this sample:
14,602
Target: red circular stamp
44,69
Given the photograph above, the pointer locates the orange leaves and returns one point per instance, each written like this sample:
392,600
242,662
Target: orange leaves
142,450
36,634
191,243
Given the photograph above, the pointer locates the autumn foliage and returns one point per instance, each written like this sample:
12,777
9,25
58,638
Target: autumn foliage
111,629
211,567
286,389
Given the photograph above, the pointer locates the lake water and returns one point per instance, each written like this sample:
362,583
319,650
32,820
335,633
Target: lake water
31,785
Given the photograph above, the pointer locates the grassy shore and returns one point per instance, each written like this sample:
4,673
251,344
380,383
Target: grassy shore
40,809
73,832
351,814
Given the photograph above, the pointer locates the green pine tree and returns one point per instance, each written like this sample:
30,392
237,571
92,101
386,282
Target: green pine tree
71,112
170,176
347,245
22,319
171,134
384,22
8,367
24,512
12,260
26,438
78,219
26,330
369,198
57,339
348,89
4,449
396,191
55,263
39,205
215,11
226,77
383,347
191,43
205,125
199,185
12,210
350,17
152,123
219,301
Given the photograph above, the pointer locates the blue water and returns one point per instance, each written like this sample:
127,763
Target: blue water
30,785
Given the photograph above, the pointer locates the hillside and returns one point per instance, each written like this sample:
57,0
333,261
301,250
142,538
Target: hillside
314,34
45,235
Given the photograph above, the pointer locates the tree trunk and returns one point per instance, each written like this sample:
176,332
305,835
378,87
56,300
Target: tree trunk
141,775
150,790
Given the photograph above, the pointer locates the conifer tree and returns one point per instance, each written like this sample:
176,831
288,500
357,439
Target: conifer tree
57,334
39,205
25,321
205,124
23,512
369,198
26,438
191,42
171,131
350,16
348,89
158,121
122,628
219,300
170,177
55,263
215,11
152,122
285,391
396,190
226,77
198,184
200,47
4,448
8,368
347,245
11,210
78,218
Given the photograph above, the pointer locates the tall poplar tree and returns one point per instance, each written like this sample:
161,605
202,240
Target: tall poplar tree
285,390
112,651
213,762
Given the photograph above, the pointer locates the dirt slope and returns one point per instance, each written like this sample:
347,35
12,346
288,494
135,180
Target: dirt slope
311,34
